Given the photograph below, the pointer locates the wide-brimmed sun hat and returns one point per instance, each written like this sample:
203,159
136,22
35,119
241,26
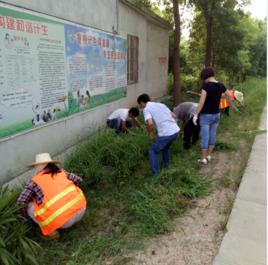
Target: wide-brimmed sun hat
239,96
43,158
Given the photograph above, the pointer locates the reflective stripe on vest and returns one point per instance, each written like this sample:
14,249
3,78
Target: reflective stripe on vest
53,200
62,200
61,210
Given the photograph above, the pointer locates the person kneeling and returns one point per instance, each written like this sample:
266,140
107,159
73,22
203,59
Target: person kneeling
52,198
121,119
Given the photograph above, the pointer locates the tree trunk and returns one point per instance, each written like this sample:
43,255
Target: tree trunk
208,57
176,54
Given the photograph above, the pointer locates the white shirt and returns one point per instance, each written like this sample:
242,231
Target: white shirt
121,114
162,118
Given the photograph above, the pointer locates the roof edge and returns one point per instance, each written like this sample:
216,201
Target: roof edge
151,16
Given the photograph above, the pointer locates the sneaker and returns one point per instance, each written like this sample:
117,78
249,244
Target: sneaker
208,158
52,236
202,161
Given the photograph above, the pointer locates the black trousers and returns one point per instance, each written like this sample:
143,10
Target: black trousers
225,111
191,134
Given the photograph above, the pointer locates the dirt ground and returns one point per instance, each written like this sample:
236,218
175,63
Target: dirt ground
197,235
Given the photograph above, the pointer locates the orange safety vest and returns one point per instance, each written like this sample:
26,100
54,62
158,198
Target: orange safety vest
224,103
231,94
62,200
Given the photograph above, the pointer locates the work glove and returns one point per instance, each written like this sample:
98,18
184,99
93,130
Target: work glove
195,118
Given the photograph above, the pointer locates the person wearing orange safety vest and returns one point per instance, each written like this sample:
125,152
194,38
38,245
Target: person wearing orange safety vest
225,102
52,198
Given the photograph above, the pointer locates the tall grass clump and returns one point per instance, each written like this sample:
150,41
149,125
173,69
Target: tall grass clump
106,157
164,196
16,247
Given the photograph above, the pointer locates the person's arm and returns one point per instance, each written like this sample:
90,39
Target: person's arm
149,123
26,197
75,179
174,116
137,122
201,102
123,126
199,106
149,127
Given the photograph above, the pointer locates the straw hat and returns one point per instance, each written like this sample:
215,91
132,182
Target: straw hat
239,96
43,158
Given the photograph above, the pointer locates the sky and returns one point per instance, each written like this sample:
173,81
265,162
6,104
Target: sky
258,8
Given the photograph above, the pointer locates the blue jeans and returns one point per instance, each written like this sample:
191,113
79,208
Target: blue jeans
163,144
116,124
208,125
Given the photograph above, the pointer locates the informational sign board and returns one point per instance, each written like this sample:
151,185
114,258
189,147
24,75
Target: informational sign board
51,68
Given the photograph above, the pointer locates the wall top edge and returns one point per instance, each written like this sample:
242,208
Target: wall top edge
151,16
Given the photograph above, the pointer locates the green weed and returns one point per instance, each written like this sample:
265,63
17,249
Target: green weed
16,247
225,181
227,212
226,146
125,203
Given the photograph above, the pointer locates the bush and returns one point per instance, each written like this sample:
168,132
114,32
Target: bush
15,247
188,82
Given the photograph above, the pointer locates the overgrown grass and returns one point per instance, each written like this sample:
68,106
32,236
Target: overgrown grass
125,203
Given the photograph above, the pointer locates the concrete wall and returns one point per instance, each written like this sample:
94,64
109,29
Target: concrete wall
19,150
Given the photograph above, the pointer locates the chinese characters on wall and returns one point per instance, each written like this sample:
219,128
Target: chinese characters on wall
50,69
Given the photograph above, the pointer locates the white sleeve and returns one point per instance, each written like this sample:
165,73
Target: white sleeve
147,115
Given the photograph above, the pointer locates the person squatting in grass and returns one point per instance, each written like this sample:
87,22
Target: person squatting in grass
185,112
52,198
209,113
122,119
167,129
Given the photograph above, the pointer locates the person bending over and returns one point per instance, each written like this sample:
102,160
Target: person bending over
185,112
167,129
52,198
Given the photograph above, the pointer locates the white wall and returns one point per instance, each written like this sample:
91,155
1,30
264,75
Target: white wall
19,150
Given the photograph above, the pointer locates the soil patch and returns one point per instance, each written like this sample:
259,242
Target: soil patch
197,235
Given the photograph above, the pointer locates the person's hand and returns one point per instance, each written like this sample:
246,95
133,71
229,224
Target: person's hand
195,118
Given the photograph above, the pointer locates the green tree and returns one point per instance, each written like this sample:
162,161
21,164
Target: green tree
207,8
213,12
230,41
257,46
